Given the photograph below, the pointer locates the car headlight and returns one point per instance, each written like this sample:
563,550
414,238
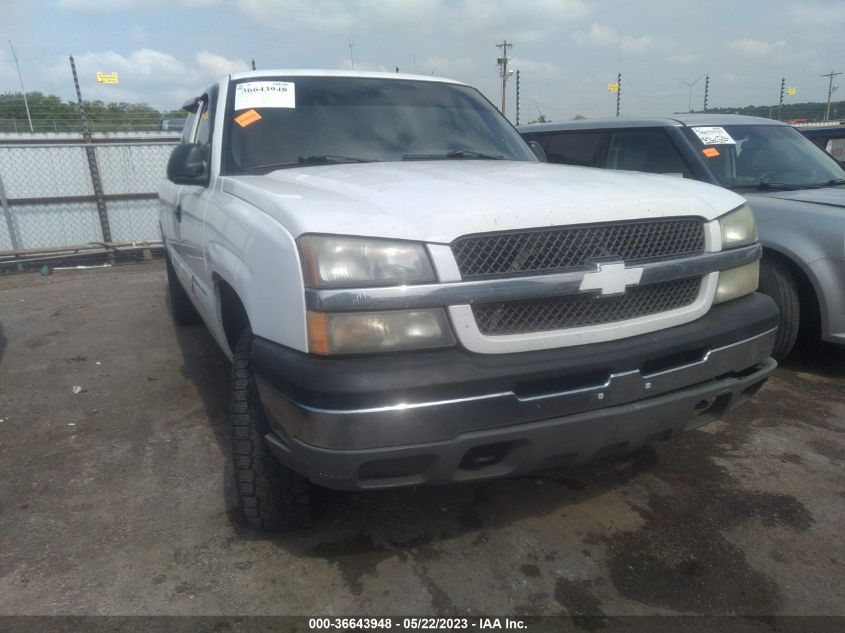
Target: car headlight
737,282
738,227
364,332
343,262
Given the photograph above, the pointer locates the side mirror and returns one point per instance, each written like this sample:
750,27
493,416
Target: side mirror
538,150
187,165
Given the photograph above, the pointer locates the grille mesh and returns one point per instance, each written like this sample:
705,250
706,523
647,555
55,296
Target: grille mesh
553,249
540,315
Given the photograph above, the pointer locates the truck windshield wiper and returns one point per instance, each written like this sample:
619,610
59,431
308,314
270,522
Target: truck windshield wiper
778,186
455,153
320,159
835,182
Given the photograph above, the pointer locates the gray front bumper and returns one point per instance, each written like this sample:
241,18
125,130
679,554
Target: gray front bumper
520,448
499,433
412,422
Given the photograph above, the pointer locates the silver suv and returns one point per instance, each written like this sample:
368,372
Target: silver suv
796,190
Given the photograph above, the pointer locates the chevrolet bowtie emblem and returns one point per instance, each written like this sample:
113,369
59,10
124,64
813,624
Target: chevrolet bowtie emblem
611,279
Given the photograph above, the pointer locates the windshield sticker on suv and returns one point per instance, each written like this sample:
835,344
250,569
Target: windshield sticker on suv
713,136
265,94
247,118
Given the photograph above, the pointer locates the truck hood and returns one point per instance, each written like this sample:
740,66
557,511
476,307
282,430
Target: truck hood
829,196
438,201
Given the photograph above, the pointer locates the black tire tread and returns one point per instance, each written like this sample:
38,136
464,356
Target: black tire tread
273,497
777,281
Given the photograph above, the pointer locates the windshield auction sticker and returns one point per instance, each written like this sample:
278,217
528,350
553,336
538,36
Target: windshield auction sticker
713,136
265,94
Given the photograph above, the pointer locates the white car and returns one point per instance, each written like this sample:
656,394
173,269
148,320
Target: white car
409,296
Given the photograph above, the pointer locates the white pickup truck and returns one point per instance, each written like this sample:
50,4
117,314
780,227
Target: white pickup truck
410,296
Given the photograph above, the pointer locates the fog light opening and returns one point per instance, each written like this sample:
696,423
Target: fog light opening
484,456
702,406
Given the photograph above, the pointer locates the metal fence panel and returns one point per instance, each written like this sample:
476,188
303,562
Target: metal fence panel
134,220
56,225
47,193
127,168
33,171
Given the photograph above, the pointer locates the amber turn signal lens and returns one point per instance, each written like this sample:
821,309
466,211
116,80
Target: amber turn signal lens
318,333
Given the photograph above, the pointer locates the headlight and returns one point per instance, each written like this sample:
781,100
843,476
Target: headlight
362,332
737,282
738,227
343,262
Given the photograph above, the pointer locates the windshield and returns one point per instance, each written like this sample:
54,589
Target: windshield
764,156
279,122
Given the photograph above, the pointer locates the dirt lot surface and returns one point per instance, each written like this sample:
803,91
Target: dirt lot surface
119,499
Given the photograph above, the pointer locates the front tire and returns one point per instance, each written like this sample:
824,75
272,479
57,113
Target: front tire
272,496
777,281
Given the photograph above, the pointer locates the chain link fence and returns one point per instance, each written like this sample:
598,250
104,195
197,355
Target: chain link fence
58,191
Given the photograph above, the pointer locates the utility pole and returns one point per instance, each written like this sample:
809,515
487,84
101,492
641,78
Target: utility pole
618,94
503,69
782,88
830,90
706,91
351,58
517,97
253,64
23,91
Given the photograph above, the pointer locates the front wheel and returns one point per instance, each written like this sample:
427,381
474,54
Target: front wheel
273,497
777,281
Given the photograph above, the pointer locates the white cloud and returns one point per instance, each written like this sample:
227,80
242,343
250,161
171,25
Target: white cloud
755,48
605,36
635,45
137,34
148,75
817,15
142,65
123,5
212,66
683,58
525,21
344,63
537,69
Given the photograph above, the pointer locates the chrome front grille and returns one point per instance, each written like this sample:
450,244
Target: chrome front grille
571,311
553,249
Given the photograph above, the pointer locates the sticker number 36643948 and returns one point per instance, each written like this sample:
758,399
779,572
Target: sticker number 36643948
265,94
713,136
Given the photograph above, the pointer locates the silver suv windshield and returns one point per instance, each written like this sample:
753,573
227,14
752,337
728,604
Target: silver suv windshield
766,157
282,122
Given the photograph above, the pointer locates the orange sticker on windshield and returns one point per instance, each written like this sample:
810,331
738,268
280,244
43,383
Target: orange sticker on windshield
709,152
248,118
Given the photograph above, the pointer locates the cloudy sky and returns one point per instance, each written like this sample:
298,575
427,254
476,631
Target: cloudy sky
567,50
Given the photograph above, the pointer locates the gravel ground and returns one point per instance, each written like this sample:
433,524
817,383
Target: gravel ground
119,499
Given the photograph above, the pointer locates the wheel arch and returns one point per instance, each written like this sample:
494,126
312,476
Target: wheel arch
232,311
809,297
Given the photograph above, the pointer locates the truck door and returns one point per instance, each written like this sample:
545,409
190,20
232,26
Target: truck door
190,214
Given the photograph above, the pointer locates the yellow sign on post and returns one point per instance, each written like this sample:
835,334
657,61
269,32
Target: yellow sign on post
613,87
107,78
791,90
